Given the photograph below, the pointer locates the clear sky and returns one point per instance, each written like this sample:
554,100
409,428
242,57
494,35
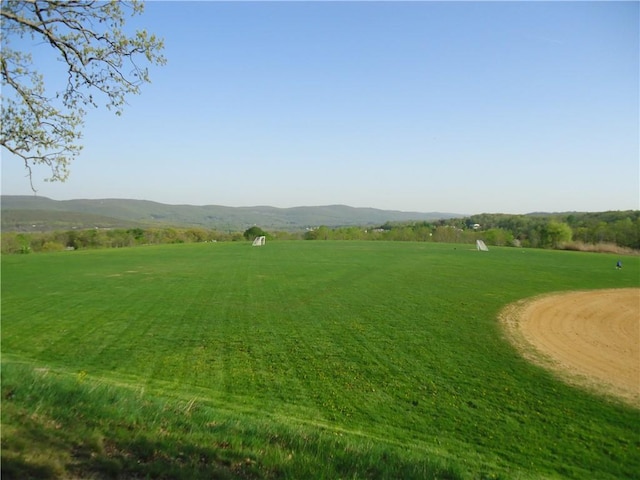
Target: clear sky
461,107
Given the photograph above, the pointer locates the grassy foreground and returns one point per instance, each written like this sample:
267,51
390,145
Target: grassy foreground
296,360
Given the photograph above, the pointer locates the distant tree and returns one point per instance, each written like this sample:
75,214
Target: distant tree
498,237
446,234
137,233
320,233
195,235
41,126
348,233
51,247
556,233
627,232
253,232
15,243
422,231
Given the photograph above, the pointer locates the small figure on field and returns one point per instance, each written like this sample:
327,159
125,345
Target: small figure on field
619,265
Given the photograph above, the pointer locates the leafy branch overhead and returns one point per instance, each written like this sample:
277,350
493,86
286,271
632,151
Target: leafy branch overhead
102,63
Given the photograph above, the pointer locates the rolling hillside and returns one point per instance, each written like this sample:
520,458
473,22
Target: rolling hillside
20,213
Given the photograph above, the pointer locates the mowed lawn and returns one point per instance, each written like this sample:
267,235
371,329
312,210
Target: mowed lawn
394,344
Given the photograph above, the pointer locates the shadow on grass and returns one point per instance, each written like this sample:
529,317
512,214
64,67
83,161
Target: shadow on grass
19,468
56,427
61,426
39,449
144,458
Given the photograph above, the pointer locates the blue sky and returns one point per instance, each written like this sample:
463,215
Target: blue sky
462,107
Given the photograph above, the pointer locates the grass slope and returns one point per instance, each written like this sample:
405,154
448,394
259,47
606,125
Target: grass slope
321,359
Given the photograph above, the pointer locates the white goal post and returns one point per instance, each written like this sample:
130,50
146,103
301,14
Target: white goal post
259,241
481,246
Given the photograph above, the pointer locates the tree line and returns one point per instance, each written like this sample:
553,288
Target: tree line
580,231
568,230
19,242
620,228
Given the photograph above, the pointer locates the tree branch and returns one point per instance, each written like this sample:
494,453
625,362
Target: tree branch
88,37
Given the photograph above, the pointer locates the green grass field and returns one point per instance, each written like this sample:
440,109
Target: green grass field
296,360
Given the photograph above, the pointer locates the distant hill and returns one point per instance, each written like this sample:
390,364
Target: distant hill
29,213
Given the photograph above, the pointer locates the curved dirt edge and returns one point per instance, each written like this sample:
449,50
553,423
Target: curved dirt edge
517,319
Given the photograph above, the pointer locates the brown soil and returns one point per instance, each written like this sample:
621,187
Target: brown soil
591,339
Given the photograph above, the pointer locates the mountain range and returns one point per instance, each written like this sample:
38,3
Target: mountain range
34,213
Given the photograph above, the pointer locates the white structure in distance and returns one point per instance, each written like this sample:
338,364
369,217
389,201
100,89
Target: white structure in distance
480,245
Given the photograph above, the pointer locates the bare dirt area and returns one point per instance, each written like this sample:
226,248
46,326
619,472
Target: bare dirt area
591,338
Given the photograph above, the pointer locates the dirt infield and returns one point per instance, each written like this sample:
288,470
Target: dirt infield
592,339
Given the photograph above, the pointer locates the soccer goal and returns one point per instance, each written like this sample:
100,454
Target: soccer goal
259,241
480,245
